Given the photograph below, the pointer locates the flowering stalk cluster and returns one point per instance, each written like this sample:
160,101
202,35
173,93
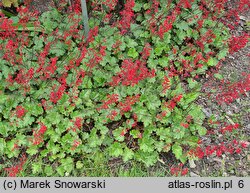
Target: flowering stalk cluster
234,91
14,170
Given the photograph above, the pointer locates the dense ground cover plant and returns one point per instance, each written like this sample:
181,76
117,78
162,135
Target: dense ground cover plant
9,3
127,90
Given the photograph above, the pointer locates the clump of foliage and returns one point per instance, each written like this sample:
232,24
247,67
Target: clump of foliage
128,90
9,3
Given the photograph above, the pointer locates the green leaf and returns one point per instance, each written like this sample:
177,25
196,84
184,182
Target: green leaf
146,6
148,158
2,146
181,35
5,70
158,50
197,114
182,25
137,7
36,168
192,83
26,121
132,53
48,170
218,76
58,49
177,150
60,170
67,164
39,43
79,165
152,105
222,54
8,3
201,130
212,62
94,140
117,134
188,98
163,133
22,139
116,149
34,109
146,144
134,133
54,149
53,117
99,78
178,132
3,98
4,128
32,150
128,154
164,61
50,20
130,42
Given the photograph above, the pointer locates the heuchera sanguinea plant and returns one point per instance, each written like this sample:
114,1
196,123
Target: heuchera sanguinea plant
127,90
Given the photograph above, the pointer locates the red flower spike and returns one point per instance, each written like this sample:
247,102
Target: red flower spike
184,171
78,122
244,144
111,100
238,151
14,170
165,84
126,106
43,129
20,111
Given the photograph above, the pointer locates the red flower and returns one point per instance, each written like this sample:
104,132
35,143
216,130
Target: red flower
111,99
92,33
171,105
132,73
209,151
187,4
234,91
244,144
146,51
123,133
165,84
43,129
229,128
55,96
166,26
185,125
177,98
50,70
235,142
219,152
78,122
126,105
76,143
189,118
236,43
127,15
184,171
14,170
238,151
175,171
20,111
112,115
